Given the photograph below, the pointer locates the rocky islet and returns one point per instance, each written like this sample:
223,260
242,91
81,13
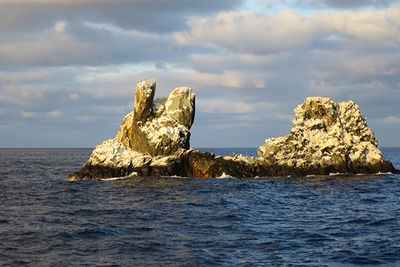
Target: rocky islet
326,137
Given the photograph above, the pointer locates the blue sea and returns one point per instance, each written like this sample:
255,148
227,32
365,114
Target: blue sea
314,221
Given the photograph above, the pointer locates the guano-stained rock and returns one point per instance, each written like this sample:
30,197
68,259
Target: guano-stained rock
180,106
143,102
160,132
326,137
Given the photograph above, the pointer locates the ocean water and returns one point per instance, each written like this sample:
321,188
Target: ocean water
315,221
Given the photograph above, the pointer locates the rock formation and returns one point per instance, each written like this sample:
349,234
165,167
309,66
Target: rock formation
326,138
162,131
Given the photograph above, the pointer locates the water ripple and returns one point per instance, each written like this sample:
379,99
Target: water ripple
315,221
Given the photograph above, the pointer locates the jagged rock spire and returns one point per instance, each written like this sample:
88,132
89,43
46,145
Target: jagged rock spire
162,132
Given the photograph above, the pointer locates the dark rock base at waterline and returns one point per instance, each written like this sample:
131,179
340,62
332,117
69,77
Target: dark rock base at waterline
198,164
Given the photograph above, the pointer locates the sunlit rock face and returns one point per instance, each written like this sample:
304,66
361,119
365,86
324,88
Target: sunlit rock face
326,135
162,131
112,153
143,100
151,139
180,106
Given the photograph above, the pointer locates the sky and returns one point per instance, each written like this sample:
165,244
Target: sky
68,68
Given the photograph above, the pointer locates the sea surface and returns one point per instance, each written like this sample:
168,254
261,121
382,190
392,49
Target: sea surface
314,221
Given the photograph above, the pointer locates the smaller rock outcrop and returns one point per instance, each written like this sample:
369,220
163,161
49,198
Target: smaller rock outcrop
327,137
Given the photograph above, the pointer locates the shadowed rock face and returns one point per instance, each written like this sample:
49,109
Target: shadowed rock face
326,137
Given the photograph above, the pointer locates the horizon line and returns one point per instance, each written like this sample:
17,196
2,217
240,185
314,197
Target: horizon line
230,147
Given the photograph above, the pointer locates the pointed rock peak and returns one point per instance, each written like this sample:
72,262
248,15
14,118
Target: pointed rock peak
317,102
318,99
143,102
320,112
180,106
317,108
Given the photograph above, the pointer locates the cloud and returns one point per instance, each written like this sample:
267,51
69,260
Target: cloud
19,94
222,106
27,114
74,96
345,3
55,47
149,15
52,114
229,79
69,68
370,26
249,32
391,120
82,44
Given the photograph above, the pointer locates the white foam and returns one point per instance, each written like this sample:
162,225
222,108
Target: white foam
336,173
225,175
115,178
174,176
133,174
